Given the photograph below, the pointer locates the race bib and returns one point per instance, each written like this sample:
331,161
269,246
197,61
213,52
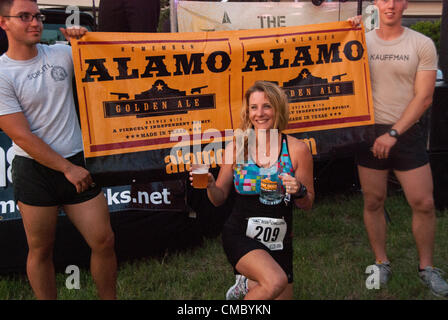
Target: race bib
269,231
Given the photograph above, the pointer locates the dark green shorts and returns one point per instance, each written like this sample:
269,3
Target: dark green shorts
38,185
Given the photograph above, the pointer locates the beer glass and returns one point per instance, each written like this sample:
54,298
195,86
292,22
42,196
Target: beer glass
200,175
271,188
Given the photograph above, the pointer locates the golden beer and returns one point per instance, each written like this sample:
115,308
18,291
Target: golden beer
200,176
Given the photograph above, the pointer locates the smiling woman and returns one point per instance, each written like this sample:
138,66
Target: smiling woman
257,237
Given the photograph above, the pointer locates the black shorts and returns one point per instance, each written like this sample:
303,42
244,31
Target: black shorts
408,153
38,185
236,245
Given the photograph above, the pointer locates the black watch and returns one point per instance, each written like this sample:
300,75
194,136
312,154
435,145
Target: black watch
301,193
393,133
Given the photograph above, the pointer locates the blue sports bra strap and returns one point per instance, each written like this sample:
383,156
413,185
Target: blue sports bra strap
284,144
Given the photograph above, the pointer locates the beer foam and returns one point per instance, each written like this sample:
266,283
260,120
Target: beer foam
200,170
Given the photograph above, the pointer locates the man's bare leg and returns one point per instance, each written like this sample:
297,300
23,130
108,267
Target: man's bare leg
417,185
92,219
40,226
374,190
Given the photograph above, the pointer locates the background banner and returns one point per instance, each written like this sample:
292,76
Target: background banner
140,95
195,16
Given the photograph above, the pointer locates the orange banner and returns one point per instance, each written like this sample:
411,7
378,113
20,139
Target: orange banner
137,90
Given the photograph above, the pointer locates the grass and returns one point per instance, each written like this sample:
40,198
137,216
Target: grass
331,252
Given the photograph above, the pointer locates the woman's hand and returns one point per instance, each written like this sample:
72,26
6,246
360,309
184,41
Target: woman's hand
211,179
290,183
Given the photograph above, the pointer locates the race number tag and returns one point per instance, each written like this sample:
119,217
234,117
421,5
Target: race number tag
268,231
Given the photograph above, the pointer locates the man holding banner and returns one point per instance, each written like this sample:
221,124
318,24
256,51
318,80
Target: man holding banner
37,112
403,66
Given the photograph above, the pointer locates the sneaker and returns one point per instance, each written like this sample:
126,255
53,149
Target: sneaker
385,272
432,277
239,289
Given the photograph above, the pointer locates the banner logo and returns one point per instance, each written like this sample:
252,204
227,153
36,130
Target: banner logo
157,101
306,87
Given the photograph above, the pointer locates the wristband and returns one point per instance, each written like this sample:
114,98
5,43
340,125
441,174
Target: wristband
301,193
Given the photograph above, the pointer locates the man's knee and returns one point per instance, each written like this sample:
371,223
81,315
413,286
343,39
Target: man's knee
423,205
41,250
104,242
373,201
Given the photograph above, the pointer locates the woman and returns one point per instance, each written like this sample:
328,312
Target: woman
263,273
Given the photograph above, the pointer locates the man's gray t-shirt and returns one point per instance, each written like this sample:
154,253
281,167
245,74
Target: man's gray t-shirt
41,88
393,67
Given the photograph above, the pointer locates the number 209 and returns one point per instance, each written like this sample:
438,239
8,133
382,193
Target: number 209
266,234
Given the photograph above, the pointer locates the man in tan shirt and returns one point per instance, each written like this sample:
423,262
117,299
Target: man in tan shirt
403,66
